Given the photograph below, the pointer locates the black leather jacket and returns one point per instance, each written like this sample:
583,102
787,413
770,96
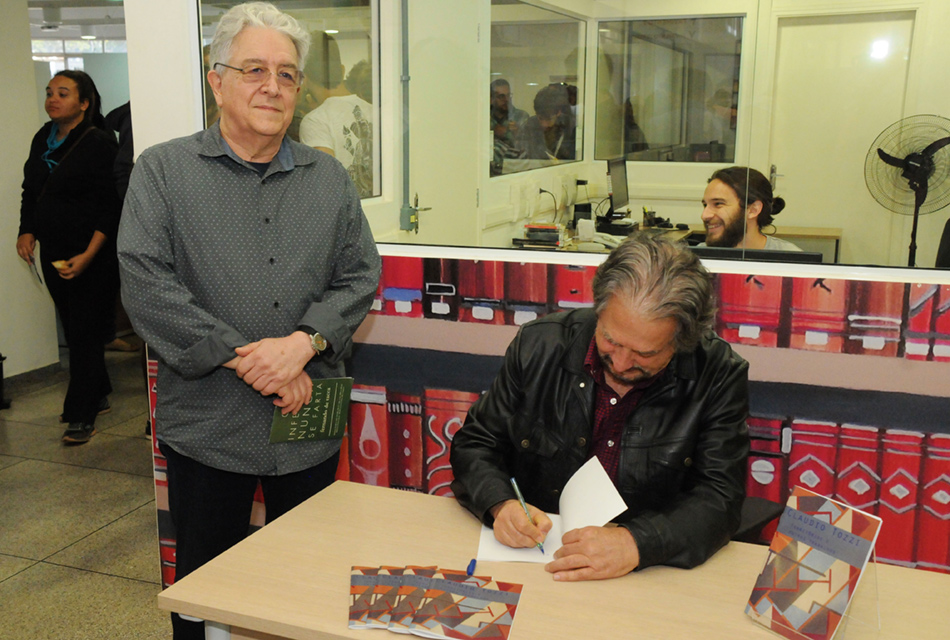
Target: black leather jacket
683,458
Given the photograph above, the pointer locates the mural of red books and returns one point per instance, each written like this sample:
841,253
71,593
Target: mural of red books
750,309
813,458
572,286
901,459
369,436
858,480
405,441
526,287
768,464
440,298
401,284
482,291
918,336
941,326
444,412
874,319
933,527
819,314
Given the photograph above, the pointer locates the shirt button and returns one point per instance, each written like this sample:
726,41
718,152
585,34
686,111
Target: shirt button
613,401
276,305
583,385
525,443
610,443
581,442
272,261
266,220
688,462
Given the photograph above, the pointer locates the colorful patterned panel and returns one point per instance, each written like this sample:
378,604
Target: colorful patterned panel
813,458
858,479
819,314
526,284
750,308
933,528
874,321
900,491
440,295
405,441
444,412
369,436
402,284
482,291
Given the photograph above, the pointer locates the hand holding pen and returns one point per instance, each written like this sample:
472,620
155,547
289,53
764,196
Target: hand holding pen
513,529
514,485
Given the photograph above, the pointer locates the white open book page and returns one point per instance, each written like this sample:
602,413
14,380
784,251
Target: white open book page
589,499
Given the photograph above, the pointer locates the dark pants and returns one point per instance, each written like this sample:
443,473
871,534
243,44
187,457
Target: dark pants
86,306
211,511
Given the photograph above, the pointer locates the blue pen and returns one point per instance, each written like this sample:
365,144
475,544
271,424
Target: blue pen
514,484
471,568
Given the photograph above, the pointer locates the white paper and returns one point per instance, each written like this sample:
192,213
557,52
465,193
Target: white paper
589,499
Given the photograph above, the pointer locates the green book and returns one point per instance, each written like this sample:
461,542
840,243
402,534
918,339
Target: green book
323,418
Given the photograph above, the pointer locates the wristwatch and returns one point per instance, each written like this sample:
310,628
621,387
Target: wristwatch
318,342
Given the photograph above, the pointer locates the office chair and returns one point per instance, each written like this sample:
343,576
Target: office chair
943,251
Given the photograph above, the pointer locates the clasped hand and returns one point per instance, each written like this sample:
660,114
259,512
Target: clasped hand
275,366
588,553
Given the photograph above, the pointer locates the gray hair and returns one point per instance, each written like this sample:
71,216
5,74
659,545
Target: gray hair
256,14
662,279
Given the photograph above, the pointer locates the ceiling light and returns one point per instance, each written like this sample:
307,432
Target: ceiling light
87,32
331,31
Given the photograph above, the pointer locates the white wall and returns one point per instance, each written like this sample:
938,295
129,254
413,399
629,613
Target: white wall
27,319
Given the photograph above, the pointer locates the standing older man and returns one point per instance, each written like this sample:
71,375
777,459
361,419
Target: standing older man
641,382
247,264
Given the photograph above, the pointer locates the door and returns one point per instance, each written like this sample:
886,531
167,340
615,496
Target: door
839,81
444,164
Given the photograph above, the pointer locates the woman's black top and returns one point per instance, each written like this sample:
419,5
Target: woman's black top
79,197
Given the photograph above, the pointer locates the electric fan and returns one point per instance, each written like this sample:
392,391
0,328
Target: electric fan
907,169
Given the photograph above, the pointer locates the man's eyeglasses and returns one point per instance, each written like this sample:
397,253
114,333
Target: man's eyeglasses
255,74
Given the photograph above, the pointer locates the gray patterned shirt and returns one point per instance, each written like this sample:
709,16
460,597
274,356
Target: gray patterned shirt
213,256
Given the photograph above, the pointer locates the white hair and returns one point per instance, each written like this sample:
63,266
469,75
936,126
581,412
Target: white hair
256,14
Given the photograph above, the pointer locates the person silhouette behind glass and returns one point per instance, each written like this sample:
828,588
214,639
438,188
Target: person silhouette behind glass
550,133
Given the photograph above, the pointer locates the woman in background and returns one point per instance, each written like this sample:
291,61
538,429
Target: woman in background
71,207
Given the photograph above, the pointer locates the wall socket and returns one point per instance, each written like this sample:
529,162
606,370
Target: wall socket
569,189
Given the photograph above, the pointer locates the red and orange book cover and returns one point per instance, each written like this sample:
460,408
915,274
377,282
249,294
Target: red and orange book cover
815,562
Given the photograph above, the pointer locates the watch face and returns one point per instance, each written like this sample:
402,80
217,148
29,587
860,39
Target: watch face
318,342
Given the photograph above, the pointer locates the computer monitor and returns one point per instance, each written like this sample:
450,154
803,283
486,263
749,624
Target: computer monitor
619,198
757,255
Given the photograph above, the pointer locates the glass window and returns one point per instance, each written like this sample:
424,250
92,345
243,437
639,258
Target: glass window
115,46
668,90
536,89
83,46
338,103
41,47
77,64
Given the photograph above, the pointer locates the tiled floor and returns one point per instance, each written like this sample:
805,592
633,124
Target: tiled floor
78,542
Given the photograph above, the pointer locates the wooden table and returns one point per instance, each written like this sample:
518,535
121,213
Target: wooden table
291,580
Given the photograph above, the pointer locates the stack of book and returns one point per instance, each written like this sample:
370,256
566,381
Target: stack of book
540,236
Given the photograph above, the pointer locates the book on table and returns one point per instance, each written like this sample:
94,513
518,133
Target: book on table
816,560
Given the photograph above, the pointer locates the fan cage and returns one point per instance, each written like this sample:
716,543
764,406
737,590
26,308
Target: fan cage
885,182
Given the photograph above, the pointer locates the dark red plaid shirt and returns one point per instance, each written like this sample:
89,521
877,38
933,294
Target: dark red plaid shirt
610,412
